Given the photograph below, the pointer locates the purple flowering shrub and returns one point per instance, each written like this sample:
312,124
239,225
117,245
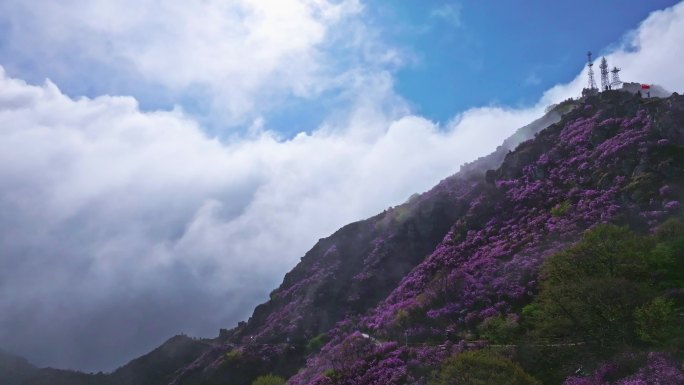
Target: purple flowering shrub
355,268
487,264
360,359
354,357
657,370
613,165
397,294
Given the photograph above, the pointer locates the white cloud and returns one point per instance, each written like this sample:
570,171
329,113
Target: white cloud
649,54
532,80
119,227
451,13
105,208
234,54
653,51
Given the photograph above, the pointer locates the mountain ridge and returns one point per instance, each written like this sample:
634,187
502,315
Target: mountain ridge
570,177
465,251
392,224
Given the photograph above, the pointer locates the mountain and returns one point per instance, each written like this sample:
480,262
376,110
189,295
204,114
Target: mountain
615,158
13,369
390,299
349,272
154,368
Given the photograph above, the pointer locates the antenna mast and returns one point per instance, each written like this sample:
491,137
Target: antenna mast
616,77
590,65
605,84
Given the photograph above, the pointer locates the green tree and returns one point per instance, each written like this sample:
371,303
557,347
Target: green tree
666,259
658,323
481,368
234,355
670,229
269,379
315,344
499,329
591,289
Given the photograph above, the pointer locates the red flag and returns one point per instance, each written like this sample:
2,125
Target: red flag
645,87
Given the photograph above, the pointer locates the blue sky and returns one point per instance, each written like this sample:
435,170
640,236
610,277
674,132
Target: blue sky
452,56
183,156
475,53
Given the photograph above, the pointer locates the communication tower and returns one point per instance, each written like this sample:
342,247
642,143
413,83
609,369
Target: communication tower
590,65
615,81
605,83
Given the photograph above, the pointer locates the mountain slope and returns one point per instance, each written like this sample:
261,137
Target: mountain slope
386,300
616,158
377,254
347,273
154,368
13,369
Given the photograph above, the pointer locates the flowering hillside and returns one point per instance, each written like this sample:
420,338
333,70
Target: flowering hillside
491,261
614,159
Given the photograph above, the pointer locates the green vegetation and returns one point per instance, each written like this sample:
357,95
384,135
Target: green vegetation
402,318
269,379
499,329
612,293
658,323
612,288
330,373
482,368
233,355
591,290
315,344
414,197
560,209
